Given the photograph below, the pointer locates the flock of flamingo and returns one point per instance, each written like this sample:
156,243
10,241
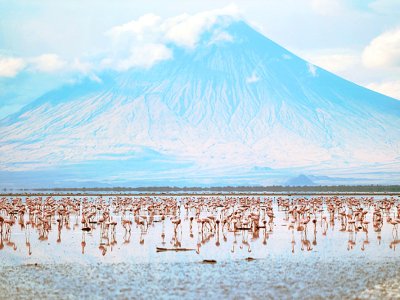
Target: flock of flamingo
240,220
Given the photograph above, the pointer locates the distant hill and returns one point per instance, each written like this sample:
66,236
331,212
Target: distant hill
301,180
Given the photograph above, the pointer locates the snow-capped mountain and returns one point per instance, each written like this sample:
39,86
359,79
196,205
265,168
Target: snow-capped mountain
235,109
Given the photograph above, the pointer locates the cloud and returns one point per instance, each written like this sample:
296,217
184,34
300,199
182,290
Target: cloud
81,66
334,60
85,68
385,6
389,88
147,40
144,56
253,78
47,63
220,36
185,30
11,66
383,51
138,28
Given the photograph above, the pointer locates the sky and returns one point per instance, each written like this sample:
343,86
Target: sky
45,44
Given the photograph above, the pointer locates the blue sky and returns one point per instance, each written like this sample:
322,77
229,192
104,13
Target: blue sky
45,44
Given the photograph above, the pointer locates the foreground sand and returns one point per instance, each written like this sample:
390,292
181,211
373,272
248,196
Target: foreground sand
274,277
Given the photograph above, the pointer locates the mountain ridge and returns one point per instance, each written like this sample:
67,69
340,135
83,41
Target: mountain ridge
238,108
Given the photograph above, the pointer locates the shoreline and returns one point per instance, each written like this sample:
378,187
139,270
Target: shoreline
209,194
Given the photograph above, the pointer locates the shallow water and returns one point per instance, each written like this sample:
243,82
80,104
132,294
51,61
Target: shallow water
323,262
276,277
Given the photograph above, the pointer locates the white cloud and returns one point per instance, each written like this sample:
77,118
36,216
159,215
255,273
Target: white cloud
11,66
81,66
312,69
389,88
145,41
253,78
185,30
139,27
84,68
220,36
348,64
334,60
144,56
383,51
385,6
48,63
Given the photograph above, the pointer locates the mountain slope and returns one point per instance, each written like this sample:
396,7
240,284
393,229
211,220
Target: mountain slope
236,110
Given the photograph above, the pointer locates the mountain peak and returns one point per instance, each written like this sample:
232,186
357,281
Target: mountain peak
230,32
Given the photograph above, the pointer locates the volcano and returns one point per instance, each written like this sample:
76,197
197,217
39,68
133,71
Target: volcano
236,109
